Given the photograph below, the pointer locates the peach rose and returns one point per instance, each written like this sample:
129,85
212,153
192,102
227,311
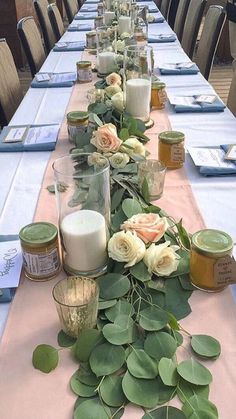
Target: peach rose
105,139
113,78
148,227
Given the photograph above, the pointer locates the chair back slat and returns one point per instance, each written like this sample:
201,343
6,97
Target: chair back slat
192,25
180,18
164,8
56,21
41,9
71,8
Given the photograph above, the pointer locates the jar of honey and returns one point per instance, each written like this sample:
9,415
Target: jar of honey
171,149
77,123
84,71
209,252
91,40
158,95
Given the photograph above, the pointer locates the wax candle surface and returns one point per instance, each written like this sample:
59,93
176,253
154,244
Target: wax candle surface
108,17
84,237
106,62
138,97
124,24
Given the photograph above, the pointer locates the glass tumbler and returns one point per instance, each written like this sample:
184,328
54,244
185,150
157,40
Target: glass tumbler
82,184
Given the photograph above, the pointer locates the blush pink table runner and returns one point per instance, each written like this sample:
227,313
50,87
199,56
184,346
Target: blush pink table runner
29,394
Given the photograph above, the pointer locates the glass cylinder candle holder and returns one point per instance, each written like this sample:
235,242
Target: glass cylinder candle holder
84,212
106,56
151,177
137,81
76,302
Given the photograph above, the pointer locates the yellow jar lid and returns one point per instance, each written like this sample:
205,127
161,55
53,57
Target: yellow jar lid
38,234
77,116
171,137
210,242
158,85
91,34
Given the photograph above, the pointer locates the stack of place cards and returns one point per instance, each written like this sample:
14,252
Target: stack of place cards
54,80
196,103
69,46
183,68
213,161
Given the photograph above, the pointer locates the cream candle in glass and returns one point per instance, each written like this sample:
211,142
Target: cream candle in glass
108,17
106,62
138,97
124,24
84,238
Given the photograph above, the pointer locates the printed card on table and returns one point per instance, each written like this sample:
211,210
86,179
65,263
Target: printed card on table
10,263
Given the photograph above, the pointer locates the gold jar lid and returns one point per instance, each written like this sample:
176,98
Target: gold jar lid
83,64
158,85
38,234
98,18
77,117
212,243
91,34
171,137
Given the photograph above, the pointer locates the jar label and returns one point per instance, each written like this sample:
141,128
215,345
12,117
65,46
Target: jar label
41,265
177,153
225,271
84,74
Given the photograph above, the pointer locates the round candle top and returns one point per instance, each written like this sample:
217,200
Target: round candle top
212,242
39,234
171,137
83,222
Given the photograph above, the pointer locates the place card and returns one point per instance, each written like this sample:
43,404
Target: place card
209,157
205,99
15,135
10,263
42,77
225,271
231,153
42,134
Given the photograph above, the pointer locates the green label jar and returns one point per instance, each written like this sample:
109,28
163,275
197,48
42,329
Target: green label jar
40,250
171,149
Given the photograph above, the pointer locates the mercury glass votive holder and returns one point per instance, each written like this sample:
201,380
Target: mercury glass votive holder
76,300
151,174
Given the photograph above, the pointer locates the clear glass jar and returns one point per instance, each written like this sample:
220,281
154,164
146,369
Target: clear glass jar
158,95
91,40
84,71
209,247
40,249
98,21
171,149
77,123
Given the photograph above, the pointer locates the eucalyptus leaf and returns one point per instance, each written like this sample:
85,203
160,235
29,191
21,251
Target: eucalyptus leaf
112,392
131,207
140,272
121,332
196,403
153,318
45,358
117,219
98,108
64,340
165,393
86,342
91,409
185,282
140,391
205,346
113,285
194,372
104,304
178,337
117,198
168,372
183,235
124,134
86,376
145,190
121,307
141,365
80,388
106,359
159,345
165,412
202,414
186,390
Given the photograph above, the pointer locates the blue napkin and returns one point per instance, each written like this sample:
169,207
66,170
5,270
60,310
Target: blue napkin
153,39
220,171
69,46
85,16
6,294
53,82
152,9
216,106
158,19
179,70
79,28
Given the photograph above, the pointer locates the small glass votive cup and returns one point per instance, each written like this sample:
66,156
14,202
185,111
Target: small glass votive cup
76,300
151,173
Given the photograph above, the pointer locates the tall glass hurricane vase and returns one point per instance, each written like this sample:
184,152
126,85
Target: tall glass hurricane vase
137,81
82,184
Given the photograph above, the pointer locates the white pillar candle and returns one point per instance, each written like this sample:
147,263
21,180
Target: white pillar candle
124,24
85,240
108,17
138,97
106,62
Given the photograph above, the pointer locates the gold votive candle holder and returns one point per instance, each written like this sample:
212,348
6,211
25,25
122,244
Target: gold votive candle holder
76,300
152,172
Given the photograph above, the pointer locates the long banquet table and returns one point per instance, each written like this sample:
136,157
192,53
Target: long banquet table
23,198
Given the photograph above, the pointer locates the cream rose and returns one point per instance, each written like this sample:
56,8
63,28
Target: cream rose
161,259
97,159
125,35
151,18
126,247
119,160
117,101
105,139
137,149
112,90
119,46
148,227
113,78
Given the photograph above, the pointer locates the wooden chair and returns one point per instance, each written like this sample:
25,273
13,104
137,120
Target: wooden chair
41,8
180,18
158,3
164,8
172,12
32,43
210,36
71,8
10,89
192,25
56,21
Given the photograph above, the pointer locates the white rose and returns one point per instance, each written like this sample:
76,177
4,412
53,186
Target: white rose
113,78
118,46
112,90
151,18
119,160
126,247
161,259
97,159
117,101
125,35
137,149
